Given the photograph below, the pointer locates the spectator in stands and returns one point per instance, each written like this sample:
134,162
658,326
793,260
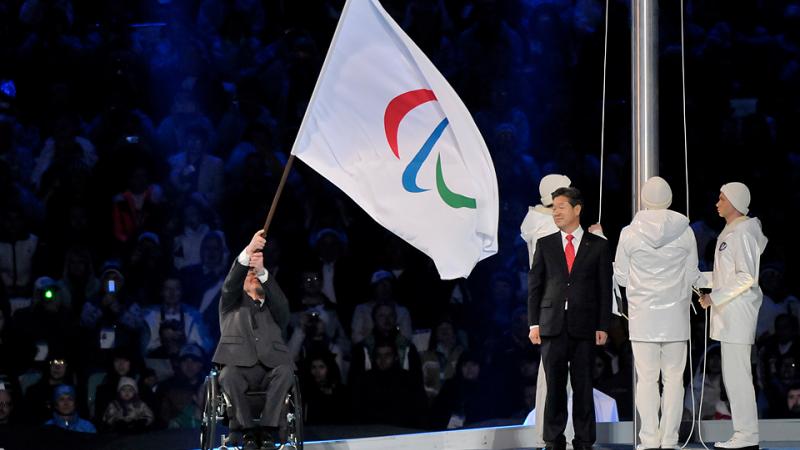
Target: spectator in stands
382,283
123,364
184,115
777,300
65,414
111,319
387,393
18,250
78,281
464,399
12,190
39,397
172,308
164,360
46,325
326,399
440,360
7,417
65,149
139,207
385,330
128,413
785,342
197,223
793,401
181,395
313,303
310,337
337,274
506,356
202,282
503,289
194,170
145,268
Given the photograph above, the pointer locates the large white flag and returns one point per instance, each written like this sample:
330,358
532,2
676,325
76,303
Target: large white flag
386,128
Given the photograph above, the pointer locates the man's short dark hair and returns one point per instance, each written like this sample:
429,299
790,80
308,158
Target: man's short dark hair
573,195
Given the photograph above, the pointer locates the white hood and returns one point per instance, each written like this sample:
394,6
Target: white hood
752,226
659,227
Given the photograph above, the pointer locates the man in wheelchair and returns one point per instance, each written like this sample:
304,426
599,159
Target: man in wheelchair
254,315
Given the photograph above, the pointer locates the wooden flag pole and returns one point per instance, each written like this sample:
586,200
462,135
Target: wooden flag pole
278,192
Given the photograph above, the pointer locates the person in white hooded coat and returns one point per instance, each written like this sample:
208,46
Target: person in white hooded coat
539,223
656,262
735,299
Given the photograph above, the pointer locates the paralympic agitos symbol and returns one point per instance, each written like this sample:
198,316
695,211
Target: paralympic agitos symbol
396,110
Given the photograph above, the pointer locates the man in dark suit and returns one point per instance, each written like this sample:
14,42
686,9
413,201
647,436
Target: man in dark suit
569,310
254,315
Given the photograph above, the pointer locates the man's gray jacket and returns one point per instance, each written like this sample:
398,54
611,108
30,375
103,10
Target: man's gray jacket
251,333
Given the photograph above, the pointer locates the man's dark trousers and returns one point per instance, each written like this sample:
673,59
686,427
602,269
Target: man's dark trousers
235,381
559,354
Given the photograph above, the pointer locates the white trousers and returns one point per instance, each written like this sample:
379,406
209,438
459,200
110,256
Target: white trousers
738,379
652,359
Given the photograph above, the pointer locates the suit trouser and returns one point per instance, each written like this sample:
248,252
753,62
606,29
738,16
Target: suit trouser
669,360
541,400
564,355
738,379
236,381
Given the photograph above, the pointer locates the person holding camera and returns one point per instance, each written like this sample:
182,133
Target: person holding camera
254,315
111,319
311,338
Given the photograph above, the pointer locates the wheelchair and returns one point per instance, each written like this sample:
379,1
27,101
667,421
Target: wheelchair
217,409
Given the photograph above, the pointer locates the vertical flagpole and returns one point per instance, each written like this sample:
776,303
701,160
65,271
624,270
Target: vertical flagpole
644,111
644,85
288,166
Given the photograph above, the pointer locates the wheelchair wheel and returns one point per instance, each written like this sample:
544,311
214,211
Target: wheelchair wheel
208,426
291,431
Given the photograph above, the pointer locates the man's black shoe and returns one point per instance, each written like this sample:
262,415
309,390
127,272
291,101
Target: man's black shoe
555,446
249,442
268,435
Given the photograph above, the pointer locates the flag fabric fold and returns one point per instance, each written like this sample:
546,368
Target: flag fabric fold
385,127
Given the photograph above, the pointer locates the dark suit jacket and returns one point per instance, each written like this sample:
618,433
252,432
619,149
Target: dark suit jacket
587,289
249,333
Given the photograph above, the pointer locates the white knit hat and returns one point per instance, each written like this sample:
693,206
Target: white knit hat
656,194
127,381
738,194
549,184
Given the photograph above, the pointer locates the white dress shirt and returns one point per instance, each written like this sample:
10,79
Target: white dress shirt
577,235
244,259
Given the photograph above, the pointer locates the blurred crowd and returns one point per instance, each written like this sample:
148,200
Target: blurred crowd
141,144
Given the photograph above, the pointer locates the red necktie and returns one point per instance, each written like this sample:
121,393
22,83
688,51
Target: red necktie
569,252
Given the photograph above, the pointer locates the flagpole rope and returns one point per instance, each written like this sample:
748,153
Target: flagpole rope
603,118
706,318
683,99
